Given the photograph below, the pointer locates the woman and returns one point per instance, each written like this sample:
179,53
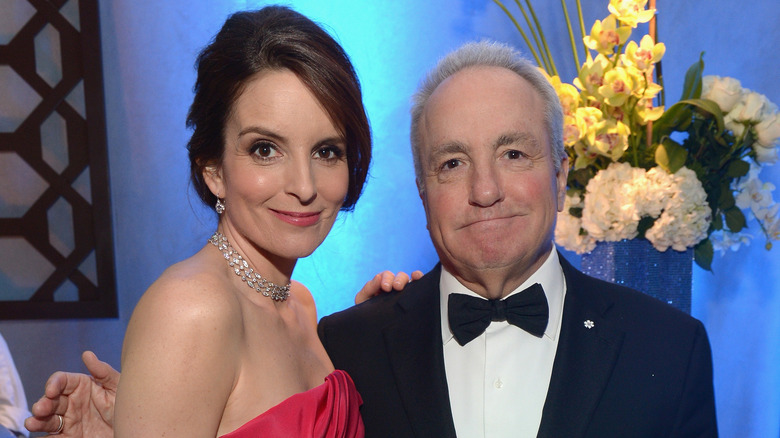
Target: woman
223,343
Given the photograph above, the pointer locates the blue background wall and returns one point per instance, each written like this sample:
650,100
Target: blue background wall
148,52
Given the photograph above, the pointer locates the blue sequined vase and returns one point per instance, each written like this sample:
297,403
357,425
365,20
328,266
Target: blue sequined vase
635,263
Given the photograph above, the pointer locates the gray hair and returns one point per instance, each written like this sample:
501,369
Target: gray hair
488,54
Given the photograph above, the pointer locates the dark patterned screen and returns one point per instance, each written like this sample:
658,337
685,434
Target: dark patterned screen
56,250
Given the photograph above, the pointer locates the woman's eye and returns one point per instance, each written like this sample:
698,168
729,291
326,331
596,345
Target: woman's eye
330,153
264,149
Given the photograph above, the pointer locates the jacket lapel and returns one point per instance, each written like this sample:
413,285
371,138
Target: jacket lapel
414,346
584,359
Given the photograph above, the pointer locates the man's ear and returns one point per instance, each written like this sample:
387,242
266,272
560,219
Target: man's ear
424,199
561,179
420,190
212,175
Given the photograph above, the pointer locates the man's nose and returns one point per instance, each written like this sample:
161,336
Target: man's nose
486,188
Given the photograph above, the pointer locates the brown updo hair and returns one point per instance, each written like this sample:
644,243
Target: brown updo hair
275,37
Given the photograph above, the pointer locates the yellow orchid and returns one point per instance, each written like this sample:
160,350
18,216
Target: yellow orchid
591,76
644,55
631,12
571,130
584,156
611,139
646,92
619,84
567,94
588,120
607,130
606,35
645,112
615,112
569,97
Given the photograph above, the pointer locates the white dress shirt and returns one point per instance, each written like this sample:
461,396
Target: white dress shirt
498,382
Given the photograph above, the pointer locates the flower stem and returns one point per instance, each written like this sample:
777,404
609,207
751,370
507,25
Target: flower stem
571,36
522,33
541,35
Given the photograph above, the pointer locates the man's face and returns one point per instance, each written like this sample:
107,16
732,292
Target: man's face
490,189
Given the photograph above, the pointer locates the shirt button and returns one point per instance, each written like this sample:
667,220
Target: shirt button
498,384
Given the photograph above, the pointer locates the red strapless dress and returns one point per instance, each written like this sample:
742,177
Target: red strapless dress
327,411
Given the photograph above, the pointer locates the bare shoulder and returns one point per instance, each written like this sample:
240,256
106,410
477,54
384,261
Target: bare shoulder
305,298
190,302
184,336
196,285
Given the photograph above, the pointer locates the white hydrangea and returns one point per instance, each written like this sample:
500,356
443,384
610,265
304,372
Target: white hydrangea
686,216
568,229
620,195
610,211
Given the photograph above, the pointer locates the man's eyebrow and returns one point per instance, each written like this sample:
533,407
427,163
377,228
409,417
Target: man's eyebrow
448,148
522,138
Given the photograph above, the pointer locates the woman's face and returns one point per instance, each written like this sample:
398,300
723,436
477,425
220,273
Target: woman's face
284,172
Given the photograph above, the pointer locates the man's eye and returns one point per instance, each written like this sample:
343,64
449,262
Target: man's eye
451,164
514,154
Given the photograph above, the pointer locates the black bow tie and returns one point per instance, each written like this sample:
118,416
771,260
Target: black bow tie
470,316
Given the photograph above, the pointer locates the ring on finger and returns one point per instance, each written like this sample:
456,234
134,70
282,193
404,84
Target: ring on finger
59,428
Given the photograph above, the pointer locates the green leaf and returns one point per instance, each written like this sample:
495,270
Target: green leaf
711,108
573,191
670,156
576,212
702,254
735,220
717,222
581,176
737,169
706,106
692,84
672,120
726,198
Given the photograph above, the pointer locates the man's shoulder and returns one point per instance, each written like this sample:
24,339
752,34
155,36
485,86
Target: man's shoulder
385,307
378,307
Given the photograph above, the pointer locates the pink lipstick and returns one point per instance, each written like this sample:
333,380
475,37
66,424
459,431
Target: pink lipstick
300,219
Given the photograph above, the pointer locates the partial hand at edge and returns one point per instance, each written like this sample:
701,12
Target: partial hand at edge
85,402
385,281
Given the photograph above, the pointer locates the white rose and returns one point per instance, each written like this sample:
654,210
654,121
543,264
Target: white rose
765,155
768,130
750,108
723,91
733,125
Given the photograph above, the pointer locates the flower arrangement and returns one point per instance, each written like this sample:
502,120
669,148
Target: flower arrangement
686,176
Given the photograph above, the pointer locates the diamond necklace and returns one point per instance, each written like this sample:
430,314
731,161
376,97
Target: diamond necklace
247,274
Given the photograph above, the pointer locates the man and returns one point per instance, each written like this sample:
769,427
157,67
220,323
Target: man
591,360
491,173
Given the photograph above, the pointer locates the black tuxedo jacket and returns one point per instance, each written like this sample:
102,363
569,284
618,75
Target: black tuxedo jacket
643,370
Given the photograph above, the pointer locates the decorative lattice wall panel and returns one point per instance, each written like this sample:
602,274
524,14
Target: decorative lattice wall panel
56,249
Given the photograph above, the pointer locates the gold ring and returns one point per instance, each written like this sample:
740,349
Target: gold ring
59,429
